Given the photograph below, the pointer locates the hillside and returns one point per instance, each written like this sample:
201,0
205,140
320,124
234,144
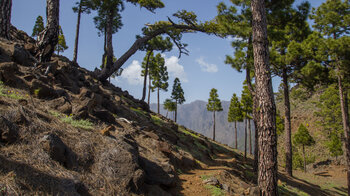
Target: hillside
195,116
66,133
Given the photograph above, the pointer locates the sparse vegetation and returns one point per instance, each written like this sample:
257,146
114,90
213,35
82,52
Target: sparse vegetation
215,191
10,93
83,124
156,120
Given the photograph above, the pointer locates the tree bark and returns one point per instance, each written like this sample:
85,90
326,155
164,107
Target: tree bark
75,54
145,77
245,138
158,99
109,45
345,119
267,171
236,134
214,125
176,111
304,159
104,50
250,137
287,125
5,18
149,88
48,38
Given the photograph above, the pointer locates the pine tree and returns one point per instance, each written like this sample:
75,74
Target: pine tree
155,44
160,76
38,26
214,105
302,137
331,20
48,38
331,121
61,45
235,114
177,94
169,105
290,25
148,68
247,103
83,6
5,18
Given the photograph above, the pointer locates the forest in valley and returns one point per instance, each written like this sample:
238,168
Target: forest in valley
306,47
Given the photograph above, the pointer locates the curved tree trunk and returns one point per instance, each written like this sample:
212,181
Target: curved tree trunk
346,127
109,46
48,38
5,18
214,126
145,77
236,134
287,124
267,172
75,54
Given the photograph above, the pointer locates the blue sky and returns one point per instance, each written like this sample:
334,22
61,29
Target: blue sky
202,70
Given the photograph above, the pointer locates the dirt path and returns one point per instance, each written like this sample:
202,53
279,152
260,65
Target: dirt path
191,182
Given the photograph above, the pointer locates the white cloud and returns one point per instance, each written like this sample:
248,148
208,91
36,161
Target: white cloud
206,67
233,38
175,69
133,73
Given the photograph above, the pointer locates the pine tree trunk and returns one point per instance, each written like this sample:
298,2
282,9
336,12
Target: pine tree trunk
109,46
104,50
245,138
5,18
267,171
304,159
158,99
75,54
149,89
250,137
145,77
214,125
166,116
48,38
256,148
236,134
287,125
345,119
176,111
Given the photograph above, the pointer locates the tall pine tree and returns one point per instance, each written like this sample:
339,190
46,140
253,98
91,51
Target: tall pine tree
235,114
38,26
302,137
160,77
177,95
214,105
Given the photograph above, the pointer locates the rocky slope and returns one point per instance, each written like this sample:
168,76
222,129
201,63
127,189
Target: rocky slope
66,133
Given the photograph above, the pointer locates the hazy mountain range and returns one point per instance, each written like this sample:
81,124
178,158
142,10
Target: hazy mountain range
195,116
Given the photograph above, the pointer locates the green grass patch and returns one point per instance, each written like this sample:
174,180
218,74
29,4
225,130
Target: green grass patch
200,146
215,191
156,120
10,94
183,130
84,124
204,177
139,111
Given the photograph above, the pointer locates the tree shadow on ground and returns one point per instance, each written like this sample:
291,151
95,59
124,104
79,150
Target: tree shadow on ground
35,180
304,186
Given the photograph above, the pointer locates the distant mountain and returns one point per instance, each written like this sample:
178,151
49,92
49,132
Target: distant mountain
196,117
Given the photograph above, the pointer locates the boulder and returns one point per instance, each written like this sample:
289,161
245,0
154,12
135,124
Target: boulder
58,151
155,190
119,165
42,90
211,181
62,105
104,115
8,131
158,173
